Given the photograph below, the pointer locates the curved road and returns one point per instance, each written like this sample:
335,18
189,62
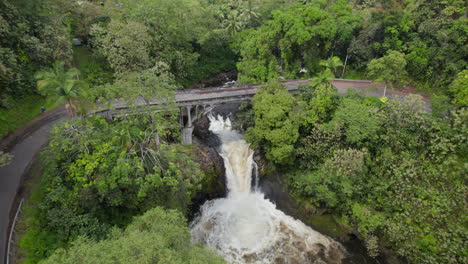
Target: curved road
31,140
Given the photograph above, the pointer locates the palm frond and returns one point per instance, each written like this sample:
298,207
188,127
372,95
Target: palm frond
60,85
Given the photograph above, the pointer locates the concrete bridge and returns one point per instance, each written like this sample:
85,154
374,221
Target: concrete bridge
190,101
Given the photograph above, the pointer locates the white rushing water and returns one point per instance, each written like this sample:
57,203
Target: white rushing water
245,227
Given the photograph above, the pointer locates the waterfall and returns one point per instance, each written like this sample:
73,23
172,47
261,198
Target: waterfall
245,227
256,179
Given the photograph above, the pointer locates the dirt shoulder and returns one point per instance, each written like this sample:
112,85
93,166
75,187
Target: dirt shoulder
7,143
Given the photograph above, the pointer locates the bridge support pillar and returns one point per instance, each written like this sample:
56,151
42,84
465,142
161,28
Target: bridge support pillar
187,135
189,116
188,128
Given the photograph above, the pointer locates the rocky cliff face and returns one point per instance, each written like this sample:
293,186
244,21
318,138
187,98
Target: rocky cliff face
207,155
212,164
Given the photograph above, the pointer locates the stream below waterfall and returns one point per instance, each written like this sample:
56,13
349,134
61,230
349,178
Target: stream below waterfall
245,227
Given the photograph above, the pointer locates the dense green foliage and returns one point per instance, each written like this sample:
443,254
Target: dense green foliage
32,36
459,88
427,39
431,34
268,39
274,128
99,174
390,68
182,34
295,38
394,171
159,236
23,111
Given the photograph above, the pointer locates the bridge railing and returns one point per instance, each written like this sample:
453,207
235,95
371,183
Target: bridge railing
216,94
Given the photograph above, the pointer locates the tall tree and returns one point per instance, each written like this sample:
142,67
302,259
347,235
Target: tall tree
332,63
233,22
294,39
322,78
61,85
390,68
276,124
32,36
176,28
320,102
126,45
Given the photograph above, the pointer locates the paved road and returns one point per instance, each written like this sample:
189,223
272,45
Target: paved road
10,176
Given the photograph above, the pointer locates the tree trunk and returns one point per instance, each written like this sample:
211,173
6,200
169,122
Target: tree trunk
71,107
344,67
157,140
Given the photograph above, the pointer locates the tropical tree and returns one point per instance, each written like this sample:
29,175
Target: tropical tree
295,38
322,78
126,46
459,88
318,97
61,85
276,122
235,15
233,22
249,12
332,63
389,68
321,103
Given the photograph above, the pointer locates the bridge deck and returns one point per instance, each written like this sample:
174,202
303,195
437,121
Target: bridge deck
236,93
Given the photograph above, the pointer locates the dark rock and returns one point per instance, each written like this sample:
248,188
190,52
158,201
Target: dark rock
202,125
250,258
216,81
214,183
227,110
204,135
273,188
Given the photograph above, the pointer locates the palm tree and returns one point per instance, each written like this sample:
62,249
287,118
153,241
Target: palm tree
322,78
61,85
233,22
332,63
248,13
